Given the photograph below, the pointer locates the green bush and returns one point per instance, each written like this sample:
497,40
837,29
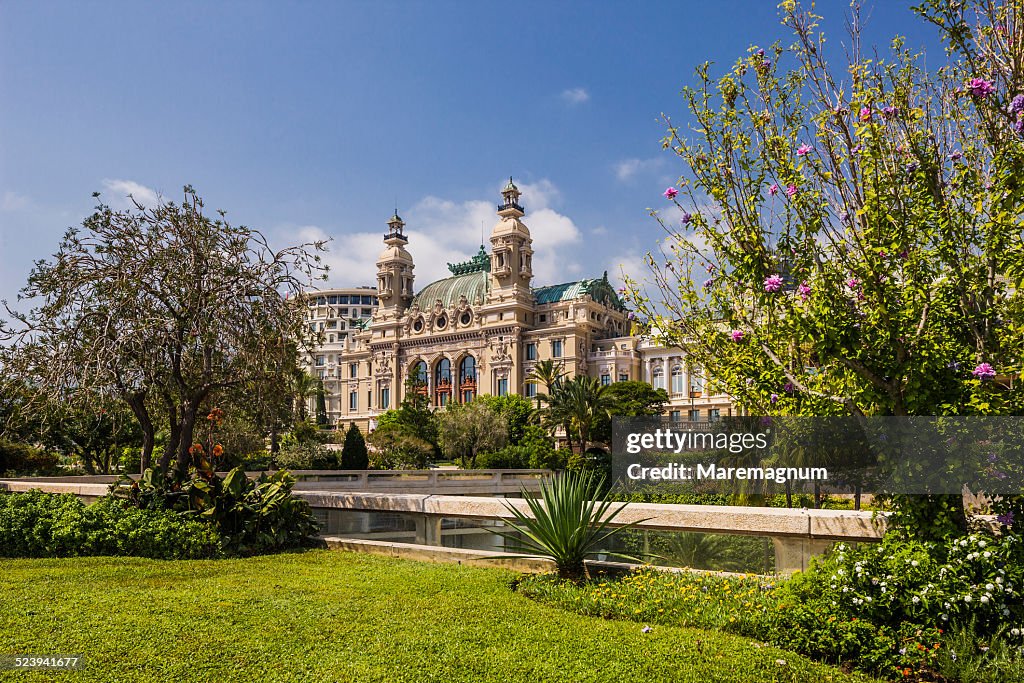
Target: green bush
307,455
23,459
37,524
508,458
251,515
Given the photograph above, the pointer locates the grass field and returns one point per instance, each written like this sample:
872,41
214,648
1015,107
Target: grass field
335,616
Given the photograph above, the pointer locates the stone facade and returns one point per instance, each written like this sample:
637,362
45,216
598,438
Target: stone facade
480,331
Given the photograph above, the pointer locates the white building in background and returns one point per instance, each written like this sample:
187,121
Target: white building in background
691,397
336,314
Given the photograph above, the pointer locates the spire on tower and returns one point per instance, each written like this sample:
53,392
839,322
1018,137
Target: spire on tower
511,195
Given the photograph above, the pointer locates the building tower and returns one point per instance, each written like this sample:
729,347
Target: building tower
394,272
511,250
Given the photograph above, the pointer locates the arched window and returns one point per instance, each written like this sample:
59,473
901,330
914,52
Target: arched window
467,379
677,379
443,381
419,372
658,378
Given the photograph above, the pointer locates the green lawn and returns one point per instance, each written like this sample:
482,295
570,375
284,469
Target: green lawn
335,616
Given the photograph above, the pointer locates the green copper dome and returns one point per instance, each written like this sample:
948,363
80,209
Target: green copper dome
474,286
599,289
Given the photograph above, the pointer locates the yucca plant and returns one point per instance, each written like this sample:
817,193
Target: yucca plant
569,521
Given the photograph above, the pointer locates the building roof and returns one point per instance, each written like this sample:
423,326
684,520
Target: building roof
474,286
599,289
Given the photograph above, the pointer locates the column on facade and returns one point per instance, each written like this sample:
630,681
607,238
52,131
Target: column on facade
666,374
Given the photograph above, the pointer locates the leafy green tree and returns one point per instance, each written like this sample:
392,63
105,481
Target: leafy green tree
394,448
517,411
578,405
848,241
162,307
354,455
631,399
94,433
471,428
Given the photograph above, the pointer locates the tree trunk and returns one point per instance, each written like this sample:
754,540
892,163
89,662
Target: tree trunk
789,494
817,495
186,434
137,402
857,490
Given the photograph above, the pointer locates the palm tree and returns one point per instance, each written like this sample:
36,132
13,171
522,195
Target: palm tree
546,372
588,399
575,405
304,385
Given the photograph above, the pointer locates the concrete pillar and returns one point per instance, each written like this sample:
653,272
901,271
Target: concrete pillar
428,530
794,554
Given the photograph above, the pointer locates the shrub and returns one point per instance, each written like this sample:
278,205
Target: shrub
23,459
251,515
37,524
568,523
354,455
508,458
308,455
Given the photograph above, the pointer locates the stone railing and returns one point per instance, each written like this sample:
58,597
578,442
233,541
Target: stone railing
796,534
450,482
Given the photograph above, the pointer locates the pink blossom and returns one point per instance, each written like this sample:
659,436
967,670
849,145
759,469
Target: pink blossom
803,150
774,399
788,387
736,335
671,192
804,290
984,371
852,283
791,190
865,114
687,217
773,283
773,189
979,87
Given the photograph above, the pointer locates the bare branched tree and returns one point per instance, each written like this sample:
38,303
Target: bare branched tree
162,307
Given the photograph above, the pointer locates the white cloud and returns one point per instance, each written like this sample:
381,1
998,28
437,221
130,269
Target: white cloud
12,201
575,96
627,169
122,189
631,263
443,231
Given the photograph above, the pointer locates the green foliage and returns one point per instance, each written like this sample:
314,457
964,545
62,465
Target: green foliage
37,524
535,450
467,429
861,254
394,448
251,515
516,410
354,455
307,455
577,405
351,617
21,459
568,523
896,609
630,399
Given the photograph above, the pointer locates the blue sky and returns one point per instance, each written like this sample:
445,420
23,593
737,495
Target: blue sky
312,119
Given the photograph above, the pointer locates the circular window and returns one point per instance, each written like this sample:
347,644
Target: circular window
418,325
466,318
441,322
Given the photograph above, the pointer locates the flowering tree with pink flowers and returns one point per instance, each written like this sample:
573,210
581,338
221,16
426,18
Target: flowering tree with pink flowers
852,241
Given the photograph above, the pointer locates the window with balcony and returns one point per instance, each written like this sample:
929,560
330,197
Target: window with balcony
694,415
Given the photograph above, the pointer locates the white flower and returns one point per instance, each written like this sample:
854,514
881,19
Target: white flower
915,599
984,599
868,598
1015,632
981,544
987,554
944,617
989,586
999,579
967,598
913,563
